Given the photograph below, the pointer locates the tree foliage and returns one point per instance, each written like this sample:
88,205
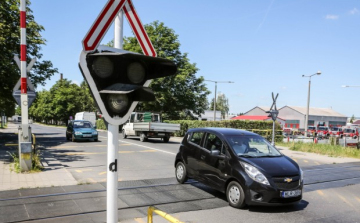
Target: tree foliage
222,104
175,94
10,45
63,100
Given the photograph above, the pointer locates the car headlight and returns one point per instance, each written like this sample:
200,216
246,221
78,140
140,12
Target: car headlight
78,133
255,174
94,132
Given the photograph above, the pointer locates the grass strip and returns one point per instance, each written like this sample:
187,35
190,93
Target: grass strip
323,149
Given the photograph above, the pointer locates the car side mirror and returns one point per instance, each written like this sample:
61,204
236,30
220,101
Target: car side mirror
215,152
95,127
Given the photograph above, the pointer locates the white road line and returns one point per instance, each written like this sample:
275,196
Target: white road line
144,146
148,147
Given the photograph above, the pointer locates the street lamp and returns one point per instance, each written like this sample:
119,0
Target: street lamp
228,82
308,101
350,86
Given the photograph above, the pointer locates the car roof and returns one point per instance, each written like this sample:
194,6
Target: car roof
223,131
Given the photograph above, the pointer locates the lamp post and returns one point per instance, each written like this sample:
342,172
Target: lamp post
228,82
308,100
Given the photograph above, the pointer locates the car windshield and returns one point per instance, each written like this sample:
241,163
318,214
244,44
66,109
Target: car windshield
335,129
348,130
252,146
311,128
82,125
323,128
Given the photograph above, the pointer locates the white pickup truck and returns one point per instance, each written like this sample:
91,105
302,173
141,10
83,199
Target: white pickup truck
148,125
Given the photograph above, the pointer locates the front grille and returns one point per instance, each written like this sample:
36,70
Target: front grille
283,185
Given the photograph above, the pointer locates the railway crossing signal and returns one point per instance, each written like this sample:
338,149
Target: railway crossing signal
118,78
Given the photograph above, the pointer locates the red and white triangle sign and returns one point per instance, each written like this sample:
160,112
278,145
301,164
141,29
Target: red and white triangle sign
106,17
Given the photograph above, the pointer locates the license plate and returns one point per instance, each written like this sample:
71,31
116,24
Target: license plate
87,136
291,193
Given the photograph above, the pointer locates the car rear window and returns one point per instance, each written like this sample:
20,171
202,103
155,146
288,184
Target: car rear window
196,137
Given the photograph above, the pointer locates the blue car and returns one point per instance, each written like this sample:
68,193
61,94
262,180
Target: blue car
81,130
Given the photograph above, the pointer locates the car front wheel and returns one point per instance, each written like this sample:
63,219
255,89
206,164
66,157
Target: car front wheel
124,136
180,173
235,195
143,137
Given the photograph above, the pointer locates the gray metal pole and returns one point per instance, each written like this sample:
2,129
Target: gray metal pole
215,102
307,109
273,134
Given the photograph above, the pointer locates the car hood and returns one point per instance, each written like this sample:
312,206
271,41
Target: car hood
83,129
274,166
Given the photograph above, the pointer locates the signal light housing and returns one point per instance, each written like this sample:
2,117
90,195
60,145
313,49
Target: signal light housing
119,79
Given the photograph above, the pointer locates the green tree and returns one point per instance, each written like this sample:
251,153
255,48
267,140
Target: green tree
176,94
222,104
63,100
10,45
352,119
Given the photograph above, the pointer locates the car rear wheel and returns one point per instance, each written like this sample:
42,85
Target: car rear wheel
180,173
235,195
166,139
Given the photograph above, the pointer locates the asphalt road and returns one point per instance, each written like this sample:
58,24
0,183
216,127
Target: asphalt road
146,177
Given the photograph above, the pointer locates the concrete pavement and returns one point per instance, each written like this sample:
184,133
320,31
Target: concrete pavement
54,174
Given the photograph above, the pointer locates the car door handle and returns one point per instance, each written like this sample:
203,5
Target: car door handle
202,157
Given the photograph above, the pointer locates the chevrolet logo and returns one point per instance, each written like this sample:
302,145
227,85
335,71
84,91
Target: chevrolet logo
288,180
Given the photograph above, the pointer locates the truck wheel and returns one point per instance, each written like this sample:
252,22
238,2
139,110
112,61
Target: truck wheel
143,137
166,139
124,136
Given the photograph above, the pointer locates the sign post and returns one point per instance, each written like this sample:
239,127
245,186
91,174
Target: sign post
90,43
273,114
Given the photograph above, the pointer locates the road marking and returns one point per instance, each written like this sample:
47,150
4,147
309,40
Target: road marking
139,220
295,160
149,147
102,173
92,180
127,151
320,192
81,153
358,199
11,144
145,151
305,161
84,170
346,201
317,163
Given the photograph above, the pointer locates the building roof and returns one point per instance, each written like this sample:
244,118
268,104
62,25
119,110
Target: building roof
264,108
357,122
316,111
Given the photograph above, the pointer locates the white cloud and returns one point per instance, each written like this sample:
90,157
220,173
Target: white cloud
354,11
75,82
332,17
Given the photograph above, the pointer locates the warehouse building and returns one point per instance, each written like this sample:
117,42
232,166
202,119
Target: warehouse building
294,116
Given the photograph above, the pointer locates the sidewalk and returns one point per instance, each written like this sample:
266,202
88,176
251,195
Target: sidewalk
54,174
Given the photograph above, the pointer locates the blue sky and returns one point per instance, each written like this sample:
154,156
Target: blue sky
263,46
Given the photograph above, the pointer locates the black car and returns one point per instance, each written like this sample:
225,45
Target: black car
241,164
